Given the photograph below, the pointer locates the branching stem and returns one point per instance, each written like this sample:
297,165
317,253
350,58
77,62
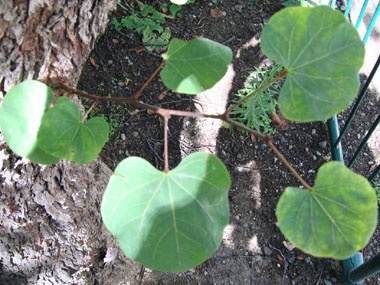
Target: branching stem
167,113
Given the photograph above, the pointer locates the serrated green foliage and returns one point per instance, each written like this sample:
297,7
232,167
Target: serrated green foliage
335,219
256,112
322,53
195,66
168,221
62,134
20,117
148,23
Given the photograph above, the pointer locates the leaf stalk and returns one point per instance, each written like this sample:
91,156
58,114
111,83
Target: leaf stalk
150,79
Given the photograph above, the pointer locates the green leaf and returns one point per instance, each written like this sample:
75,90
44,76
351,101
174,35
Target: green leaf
153,25
129,22
322,53
20,117
335,219
166,34
174,9
146,10
168,221
63,135
194,66
158,17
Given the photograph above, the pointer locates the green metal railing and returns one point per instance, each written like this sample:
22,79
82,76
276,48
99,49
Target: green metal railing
354,270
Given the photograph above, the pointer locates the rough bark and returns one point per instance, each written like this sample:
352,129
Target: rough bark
50,224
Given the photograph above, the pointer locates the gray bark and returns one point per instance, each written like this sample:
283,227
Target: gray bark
50,224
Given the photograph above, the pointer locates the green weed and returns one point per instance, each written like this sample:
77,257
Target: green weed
148,23
256,112
114,115
100,87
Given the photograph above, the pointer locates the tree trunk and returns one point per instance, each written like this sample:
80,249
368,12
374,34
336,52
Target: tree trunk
50,224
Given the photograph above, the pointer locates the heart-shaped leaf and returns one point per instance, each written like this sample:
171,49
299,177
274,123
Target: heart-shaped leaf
168,221
322,53
335,219
194,66
63,135
20,117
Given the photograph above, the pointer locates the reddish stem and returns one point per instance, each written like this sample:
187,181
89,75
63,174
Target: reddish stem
166,150
166,113
288,165
89,111
150,79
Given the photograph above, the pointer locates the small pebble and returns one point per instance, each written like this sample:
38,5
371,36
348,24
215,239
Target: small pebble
323,144
284,140
120,83
313,132
334,280
239,8
314,157
263,145
123,137
318,153
110,62
135,134
224,13
327,282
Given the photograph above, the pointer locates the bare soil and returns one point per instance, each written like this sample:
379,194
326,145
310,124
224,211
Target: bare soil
253,250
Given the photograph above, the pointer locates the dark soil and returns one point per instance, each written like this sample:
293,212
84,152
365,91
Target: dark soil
253,250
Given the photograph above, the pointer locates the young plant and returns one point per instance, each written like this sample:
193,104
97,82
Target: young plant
149,24
173,220
256,112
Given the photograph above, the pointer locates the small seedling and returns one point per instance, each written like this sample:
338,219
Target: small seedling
148,23
100,87
173,9
256,112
